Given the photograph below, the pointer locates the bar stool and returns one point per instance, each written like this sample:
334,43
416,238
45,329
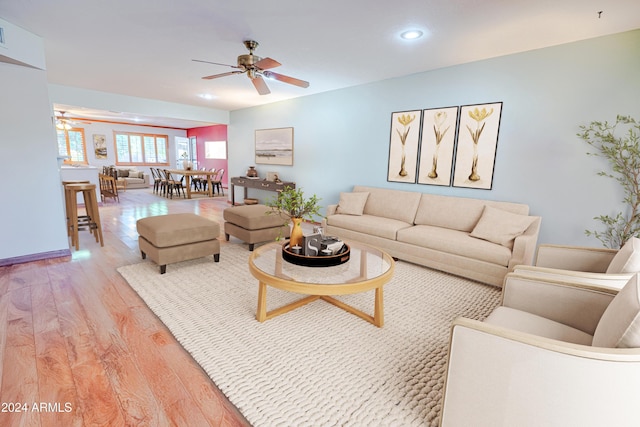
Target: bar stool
91,205
67,202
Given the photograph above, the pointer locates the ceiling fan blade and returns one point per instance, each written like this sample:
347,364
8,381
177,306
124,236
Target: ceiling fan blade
260,85
215,76
215,63
266,63
285,79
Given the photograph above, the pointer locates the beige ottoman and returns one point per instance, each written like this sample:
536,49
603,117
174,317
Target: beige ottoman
177,237
251,224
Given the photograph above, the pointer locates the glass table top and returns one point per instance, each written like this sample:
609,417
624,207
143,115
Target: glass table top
365,263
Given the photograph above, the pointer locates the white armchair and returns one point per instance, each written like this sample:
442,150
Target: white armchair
553,354
590,266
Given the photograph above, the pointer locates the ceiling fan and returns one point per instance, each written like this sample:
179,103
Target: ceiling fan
62,121
256,67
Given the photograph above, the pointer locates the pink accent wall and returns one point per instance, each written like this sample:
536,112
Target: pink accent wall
211,133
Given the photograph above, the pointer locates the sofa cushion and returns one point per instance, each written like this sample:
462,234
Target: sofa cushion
459,213
619,325
456,213
627,260
394,204
131,180
455,242
123,173
536,325
368,224
501,227
352,203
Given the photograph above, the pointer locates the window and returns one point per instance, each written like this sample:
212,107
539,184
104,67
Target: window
141,149
71,144
215,149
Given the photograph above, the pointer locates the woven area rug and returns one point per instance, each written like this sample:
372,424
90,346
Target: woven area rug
317,365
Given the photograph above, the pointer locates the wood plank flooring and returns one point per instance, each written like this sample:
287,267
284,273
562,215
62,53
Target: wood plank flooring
78,347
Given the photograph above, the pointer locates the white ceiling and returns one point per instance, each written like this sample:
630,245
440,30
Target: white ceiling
144,48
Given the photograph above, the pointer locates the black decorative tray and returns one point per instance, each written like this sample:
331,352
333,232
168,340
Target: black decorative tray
341,257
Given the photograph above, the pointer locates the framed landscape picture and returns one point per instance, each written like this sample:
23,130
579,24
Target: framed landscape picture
274,146
477,145
403,146
436,145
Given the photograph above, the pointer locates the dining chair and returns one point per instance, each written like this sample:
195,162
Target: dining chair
205,181
173,183
216,182
108,188
157,179
196,180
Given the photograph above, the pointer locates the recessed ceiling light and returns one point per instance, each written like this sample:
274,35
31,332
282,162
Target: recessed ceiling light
411,34
206,96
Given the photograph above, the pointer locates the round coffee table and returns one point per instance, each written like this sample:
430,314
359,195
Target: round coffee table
368,268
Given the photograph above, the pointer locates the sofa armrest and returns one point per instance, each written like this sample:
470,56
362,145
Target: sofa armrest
524,246
577,258
330,210
573,304
500,377
615,281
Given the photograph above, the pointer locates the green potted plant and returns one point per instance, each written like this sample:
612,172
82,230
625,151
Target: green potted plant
292,204
623,154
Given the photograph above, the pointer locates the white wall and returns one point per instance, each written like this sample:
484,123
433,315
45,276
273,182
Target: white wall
342,137
21,47
32,214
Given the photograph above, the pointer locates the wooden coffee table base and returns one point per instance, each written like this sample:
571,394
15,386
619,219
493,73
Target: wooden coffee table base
377,318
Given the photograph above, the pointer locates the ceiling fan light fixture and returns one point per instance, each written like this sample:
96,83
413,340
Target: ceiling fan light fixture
411,34
63,125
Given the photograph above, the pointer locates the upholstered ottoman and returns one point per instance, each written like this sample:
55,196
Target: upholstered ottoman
177,237
251,224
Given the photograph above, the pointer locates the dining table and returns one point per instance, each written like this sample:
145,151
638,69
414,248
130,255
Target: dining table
189,173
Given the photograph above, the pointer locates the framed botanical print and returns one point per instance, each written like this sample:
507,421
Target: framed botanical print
403,146
477,145
436,145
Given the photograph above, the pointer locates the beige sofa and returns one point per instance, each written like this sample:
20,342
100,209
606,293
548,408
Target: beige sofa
479,239
133,177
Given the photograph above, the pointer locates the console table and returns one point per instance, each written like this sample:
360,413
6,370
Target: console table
260,184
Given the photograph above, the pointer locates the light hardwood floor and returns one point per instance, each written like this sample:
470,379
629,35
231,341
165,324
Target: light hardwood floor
79,347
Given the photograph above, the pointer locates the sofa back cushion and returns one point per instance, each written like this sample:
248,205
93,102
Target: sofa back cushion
627,260
501,227
619,325
352,203
394,204
459,213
